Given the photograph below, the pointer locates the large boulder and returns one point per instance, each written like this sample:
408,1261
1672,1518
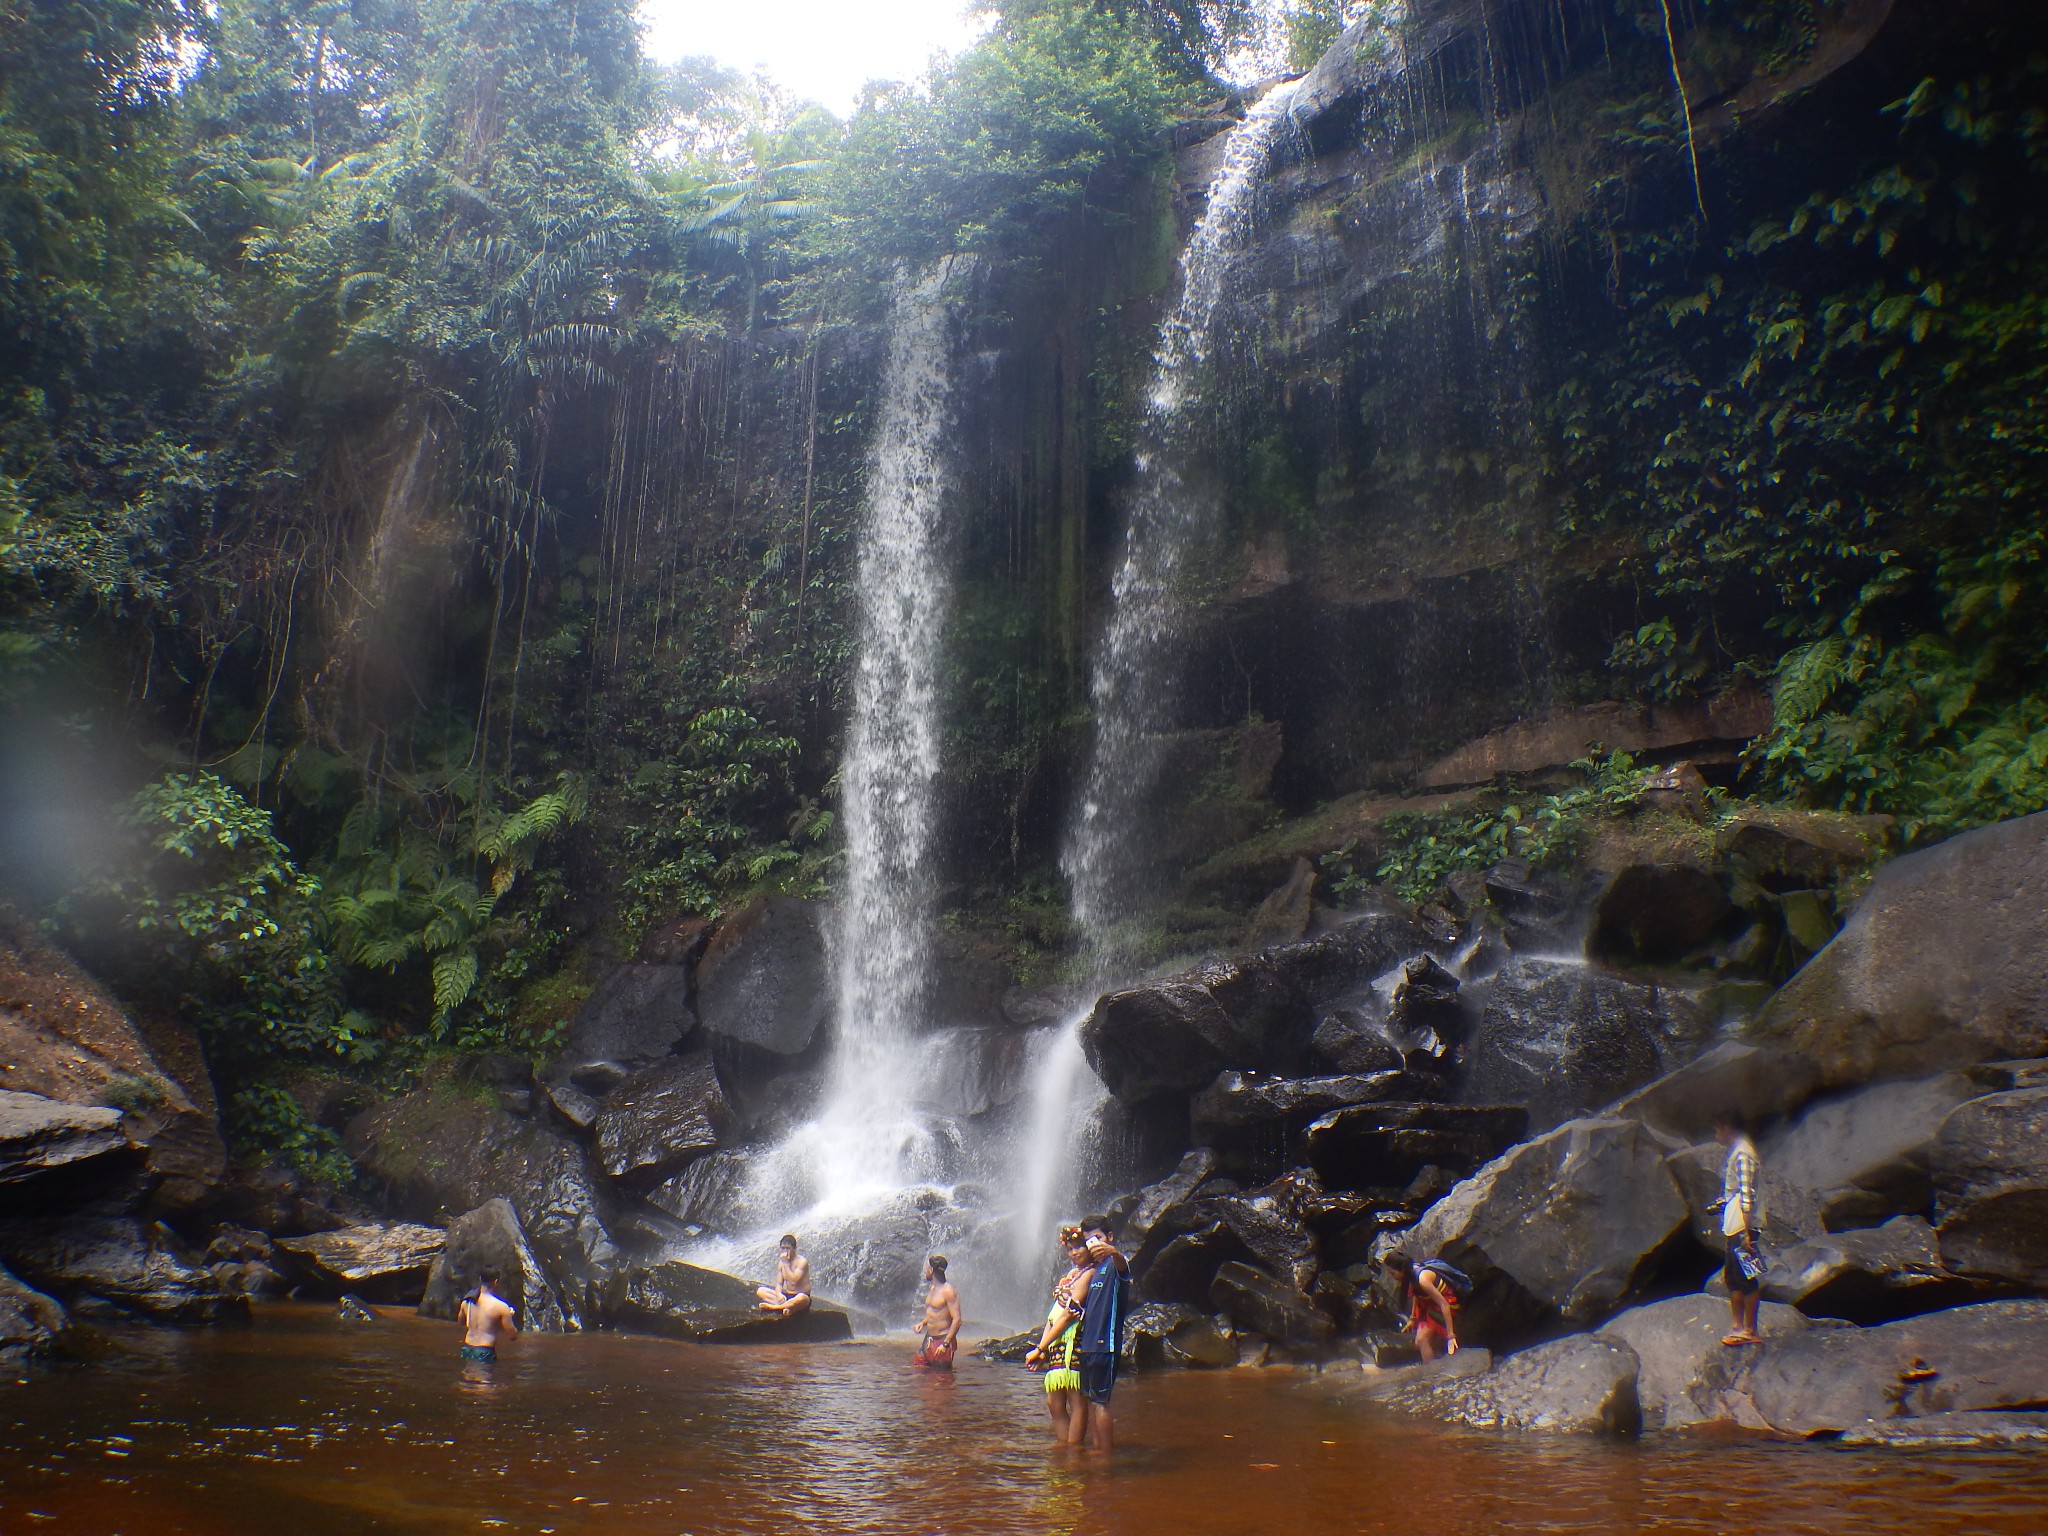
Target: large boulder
1584,1384
490,1237
663,1116
1175,1334
30,1322
1989,1167
64,1037
1257,1303
1735,1079
1386,1145
1354,1040
1943,963
435,1154
1346,958
1871,1275
1675,1344
1562,1038
1155,1200
1863,1154
637,1015
39,1137
1564,1228
111,1265
383,1263
685,1301
765,980
1993,1355
1173,1036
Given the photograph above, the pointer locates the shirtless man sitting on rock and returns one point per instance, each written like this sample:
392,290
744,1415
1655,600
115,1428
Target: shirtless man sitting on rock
791,1292
486,1318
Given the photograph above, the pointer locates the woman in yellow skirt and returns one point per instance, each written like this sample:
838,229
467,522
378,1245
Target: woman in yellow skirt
1062,1332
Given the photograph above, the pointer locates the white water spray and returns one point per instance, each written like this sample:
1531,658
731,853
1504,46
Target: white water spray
1134,681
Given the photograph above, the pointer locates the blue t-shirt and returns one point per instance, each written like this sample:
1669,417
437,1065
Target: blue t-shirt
1102,1314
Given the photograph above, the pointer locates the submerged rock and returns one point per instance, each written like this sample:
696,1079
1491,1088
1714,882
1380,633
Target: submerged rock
1943,963
1565,1227
765,980
1584,1384
384,1263
1989,1169
1951,1431
490,1237
30,1322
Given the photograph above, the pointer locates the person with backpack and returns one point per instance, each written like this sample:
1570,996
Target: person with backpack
1432,1292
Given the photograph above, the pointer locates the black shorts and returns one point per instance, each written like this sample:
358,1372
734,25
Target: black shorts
1739,1284
1098,1375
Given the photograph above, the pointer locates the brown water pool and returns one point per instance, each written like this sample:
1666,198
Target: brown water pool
304,1426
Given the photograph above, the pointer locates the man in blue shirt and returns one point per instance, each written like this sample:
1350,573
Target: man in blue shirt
1102,1329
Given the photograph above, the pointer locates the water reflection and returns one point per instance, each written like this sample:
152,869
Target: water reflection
304,1426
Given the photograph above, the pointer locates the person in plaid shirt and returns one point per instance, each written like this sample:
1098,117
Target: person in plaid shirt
1741,1213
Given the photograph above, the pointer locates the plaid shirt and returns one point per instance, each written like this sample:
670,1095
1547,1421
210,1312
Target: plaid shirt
1738,1187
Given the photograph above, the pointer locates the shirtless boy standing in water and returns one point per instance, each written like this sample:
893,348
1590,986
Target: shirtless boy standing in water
791,1292
940,1324
486,1318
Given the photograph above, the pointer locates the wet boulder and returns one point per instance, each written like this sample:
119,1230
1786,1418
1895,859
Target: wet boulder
1354,1041
1989,1168
1247,1108
637,1015
1256,1302
386,1263
490,1237
871,1260
40,1137
1174,1334
1863,1154
1943,963
683,1301
30,1322
1379,1145
1346,958
1155,1200
765,980
1426,1020
972,1070
663,1116
1565,1228
116,1266
1564,1038
1752,1083
1180,1267
708,1194
1173,1036
1990,1356
435,1154
1872,1275
1656,914
1677,1345
1583,1384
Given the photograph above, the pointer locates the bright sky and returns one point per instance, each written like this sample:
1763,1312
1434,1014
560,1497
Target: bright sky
825,50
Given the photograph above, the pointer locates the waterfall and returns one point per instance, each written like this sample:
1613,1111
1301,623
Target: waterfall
1134,683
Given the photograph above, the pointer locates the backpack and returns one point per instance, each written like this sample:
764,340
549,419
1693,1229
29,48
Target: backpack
1454,1279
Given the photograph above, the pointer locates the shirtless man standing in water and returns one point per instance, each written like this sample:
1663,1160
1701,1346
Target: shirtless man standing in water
940,1324
791,1292
486,1318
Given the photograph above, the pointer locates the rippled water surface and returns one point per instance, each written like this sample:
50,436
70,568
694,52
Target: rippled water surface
303,1426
